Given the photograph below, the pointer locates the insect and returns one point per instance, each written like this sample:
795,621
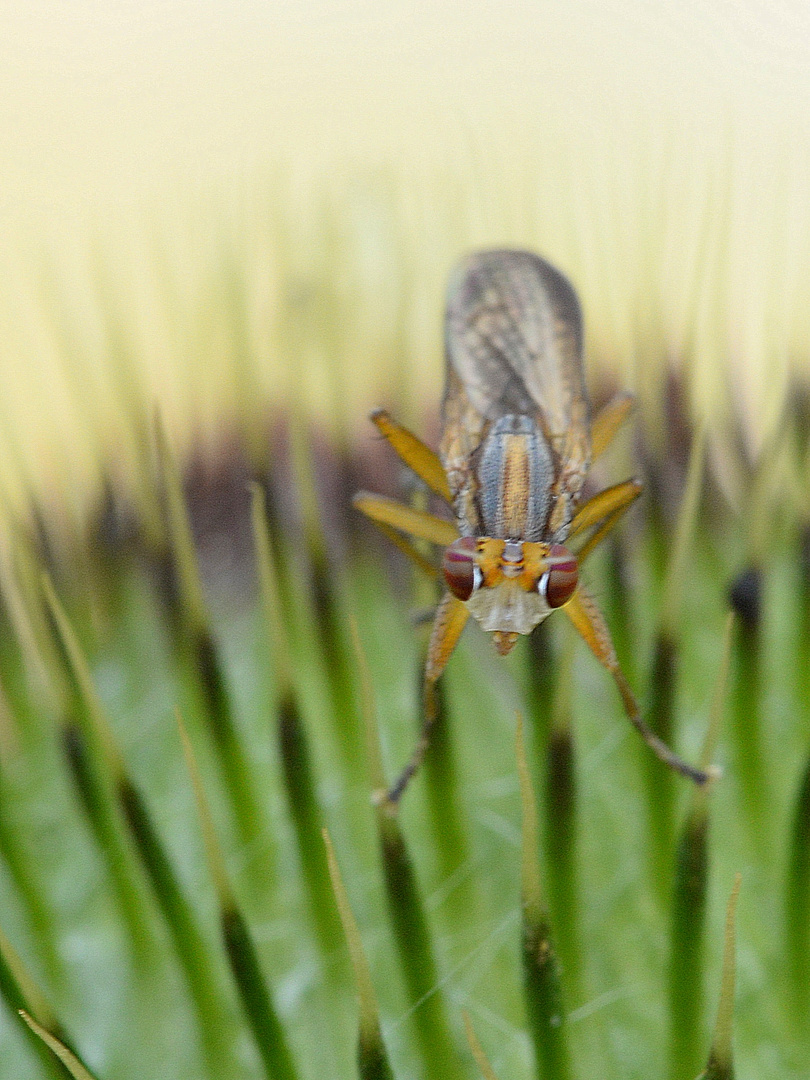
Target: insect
516,447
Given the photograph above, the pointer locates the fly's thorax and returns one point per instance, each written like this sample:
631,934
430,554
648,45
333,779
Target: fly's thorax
515,472
509,586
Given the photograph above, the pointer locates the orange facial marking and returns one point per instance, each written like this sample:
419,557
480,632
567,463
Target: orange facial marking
534,565
495,569
489,560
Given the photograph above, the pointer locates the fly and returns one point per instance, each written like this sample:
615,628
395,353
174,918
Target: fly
516,446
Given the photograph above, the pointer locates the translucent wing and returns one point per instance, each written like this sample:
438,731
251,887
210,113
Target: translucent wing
514,345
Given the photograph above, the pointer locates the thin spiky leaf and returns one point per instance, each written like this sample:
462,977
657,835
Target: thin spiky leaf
97,768
409,922
239,948
74,1067
415,946
746,598
372,1056
379,787
271,600
97,729
299,782
688,917
21,994
561,814
720,1065
481,1059
541,971
798,900
190,944
194,612
684,537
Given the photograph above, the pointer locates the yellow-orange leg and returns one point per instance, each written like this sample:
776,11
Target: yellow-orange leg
608,421
416,455
592,628
427,465
604,510
407,548
418,523
604,505
451,618
390,516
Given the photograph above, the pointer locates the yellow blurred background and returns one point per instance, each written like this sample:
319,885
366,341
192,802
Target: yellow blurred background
215,207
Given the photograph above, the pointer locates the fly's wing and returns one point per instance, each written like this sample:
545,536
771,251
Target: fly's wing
513,337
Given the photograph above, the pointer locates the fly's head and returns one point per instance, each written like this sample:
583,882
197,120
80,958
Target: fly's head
509,586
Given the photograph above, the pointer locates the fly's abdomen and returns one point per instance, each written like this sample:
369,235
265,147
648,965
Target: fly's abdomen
515,473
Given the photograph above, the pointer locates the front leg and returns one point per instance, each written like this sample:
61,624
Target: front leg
416,454
451,618
418,523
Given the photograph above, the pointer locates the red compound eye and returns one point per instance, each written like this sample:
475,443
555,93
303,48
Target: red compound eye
460,571
559,582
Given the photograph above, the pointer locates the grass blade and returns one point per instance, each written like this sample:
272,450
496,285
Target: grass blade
72,1066
798,904
372,1056
745,596
21,995
541,972
720,1065
95,762
688,917
481,1059
409,922
561,820
239,947
197,641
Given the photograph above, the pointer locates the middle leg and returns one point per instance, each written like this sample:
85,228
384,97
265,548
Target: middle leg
592,628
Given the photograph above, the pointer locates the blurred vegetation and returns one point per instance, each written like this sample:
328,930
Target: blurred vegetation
199,571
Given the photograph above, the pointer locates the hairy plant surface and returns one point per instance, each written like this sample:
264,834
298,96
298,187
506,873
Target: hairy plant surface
214,662
159,933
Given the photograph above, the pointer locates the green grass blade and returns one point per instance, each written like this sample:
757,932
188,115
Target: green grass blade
688,911
94,762
71,1065
306,817
746,597
444,793
240,950
416,952
481,1059
192,948
561,798
372,1056
720,1065
541,973
798,904
197,642
21,995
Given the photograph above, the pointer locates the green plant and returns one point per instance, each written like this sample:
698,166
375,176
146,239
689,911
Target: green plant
166,935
